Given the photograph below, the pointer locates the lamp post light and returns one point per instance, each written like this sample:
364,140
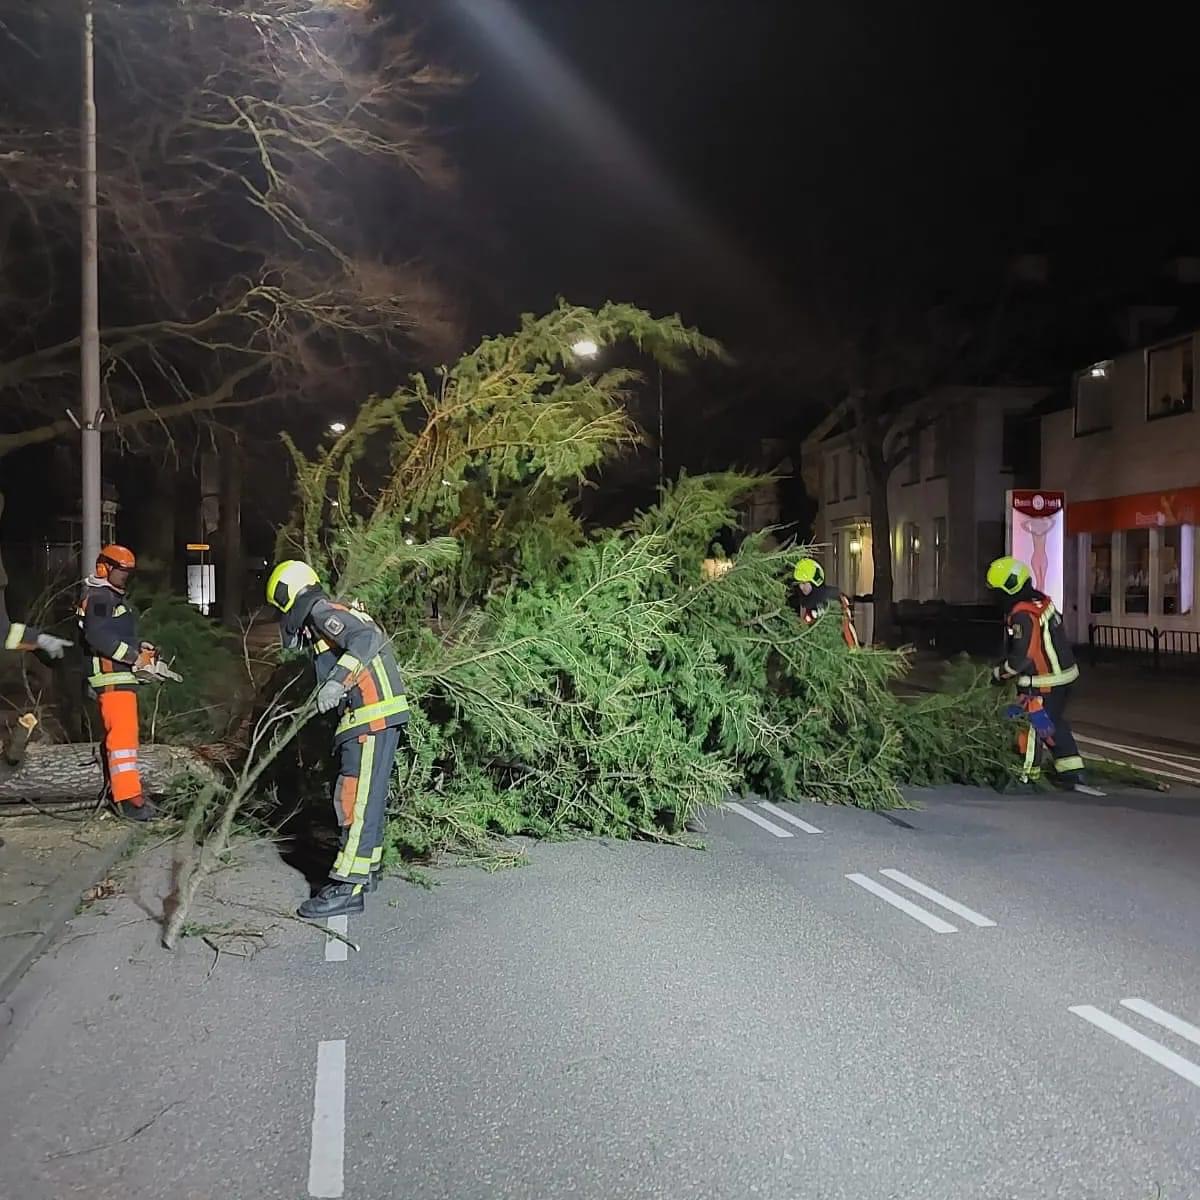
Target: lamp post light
585,348
337,427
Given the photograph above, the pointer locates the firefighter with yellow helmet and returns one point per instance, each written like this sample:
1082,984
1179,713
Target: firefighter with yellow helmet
360,679
816,597
1039,660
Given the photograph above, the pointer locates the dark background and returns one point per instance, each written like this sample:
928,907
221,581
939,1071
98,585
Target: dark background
749,165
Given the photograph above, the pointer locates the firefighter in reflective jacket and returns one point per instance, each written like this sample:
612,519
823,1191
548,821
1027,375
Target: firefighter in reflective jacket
108,625
15,636
1039,660
815,598
358,677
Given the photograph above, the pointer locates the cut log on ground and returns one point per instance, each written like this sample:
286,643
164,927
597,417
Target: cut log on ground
73,772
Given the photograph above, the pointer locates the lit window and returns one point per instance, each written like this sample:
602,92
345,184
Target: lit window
1093,399
1100,573
834,461
1169,379
912,559
940,441
1176,558
940,551
1137,571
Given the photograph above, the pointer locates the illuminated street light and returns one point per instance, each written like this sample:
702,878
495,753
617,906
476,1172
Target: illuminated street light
337,427
585,348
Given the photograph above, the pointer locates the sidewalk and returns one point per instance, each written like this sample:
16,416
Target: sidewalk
1116,699
46,864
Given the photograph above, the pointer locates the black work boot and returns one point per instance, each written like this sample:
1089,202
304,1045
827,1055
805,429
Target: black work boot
373,882
333,900
128,811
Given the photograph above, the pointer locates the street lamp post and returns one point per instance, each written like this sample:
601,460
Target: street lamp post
89,338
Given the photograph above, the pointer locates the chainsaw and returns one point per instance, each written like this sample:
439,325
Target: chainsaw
150,667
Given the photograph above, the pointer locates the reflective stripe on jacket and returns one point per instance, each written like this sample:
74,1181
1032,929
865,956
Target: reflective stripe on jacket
108,629
1038,654
352,649
15,636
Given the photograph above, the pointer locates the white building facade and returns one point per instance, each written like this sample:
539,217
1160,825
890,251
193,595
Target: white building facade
946,502
1127,455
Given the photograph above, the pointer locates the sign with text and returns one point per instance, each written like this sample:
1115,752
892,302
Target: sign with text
1036,534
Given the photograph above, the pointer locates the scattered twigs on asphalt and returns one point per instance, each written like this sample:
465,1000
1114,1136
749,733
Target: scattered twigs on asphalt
277,726
162,1112
284,915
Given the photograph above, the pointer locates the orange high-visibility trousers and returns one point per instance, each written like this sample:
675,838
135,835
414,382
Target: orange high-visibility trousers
118,711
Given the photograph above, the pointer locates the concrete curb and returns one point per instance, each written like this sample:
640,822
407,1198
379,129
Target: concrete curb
63,899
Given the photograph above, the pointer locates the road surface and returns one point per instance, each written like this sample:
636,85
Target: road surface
993,998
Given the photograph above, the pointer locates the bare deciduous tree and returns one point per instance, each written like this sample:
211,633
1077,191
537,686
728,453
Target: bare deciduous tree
256,165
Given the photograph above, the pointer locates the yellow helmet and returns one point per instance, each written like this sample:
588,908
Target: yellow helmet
1008,575
287,581
808,570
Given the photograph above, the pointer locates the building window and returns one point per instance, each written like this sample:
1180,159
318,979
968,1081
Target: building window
939,436
940,549
1137,571
912,559
912,461
1176,558
834,482
1100,573
1169,380
854,553
1093,399
851,490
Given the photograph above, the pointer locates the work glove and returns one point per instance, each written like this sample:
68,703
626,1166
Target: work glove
50,645
330,695
147,656
997,676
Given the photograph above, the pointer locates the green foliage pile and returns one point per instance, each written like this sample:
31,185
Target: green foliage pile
596,682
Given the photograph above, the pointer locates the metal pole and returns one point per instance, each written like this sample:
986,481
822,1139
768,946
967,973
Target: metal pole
662,475
89,340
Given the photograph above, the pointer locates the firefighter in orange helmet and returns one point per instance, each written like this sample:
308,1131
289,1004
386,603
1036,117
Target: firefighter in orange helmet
108,626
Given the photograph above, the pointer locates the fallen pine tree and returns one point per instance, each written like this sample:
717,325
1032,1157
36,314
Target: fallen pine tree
574,681
595,681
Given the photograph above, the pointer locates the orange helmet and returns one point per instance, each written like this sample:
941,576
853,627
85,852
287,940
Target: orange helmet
120,557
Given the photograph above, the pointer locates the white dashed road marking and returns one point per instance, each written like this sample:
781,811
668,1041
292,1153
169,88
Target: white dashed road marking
905,906
335,949
327,1152
750,815
922,889
1177,1025
1183,1067
790,818
1164,758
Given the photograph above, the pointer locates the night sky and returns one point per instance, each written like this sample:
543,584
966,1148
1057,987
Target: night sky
774,151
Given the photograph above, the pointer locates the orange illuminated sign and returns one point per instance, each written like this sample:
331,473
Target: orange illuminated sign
1179,507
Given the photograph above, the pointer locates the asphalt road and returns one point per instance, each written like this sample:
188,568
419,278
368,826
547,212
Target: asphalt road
985,998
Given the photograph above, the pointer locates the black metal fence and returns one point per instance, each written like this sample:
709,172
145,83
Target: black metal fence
1172,649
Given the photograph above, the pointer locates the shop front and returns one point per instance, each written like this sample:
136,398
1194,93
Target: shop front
1134,561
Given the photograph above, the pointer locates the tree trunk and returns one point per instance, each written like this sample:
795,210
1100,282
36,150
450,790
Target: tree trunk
233,568
72,771
881,553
